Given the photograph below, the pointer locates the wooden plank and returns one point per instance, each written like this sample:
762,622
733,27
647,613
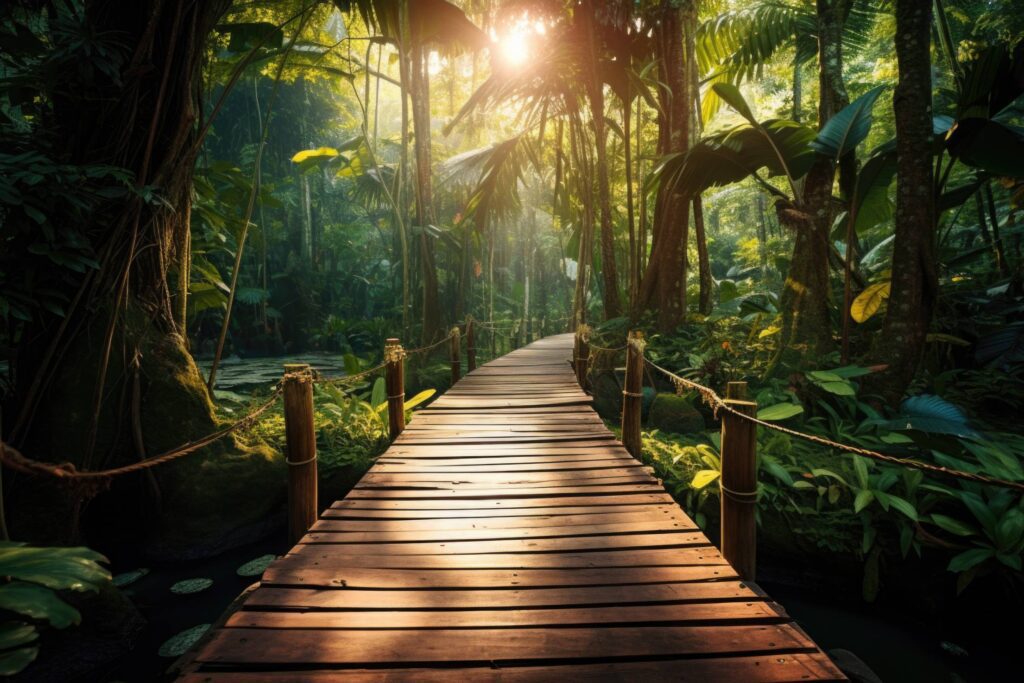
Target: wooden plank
338,598
707,614
343,556
296,571
567,492
519,545
496,646
627,498
536,521
775,668
341,535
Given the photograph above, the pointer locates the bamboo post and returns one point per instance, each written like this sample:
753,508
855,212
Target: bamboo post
739,483
582,354
470,345
632,394
455,354
394,383
300,454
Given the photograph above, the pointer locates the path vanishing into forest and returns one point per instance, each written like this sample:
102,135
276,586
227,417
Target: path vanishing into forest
506,535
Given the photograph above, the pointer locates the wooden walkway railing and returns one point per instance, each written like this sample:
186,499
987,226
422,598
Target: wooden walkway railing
507,536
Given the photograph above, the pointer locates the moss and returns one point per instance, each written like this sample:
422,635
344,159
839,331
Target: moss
677,414
204,498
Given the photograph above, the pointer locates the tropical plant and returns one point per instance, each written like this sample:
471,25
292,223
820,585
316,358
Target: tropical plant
29,593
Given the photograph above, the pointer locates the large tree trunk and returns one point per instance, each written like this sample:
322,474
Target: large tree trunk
664,283
914,280
806,323
121,345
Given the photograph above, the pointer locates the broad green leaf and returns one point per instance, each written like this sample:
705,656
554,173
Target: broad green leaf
843,132
862,500
16,660
37,602
779,411
860,468
732,96
869,301
75,569
970,558
127,578
379,394
15,633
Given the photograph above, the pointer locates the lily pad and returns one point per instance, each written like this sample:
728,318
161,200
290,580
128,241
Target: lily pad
257,566
177,645
127,578
191,586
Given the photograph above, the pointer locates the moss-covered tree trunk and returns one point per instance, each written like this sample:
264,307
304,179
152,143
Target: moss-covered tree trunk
914,279
112,382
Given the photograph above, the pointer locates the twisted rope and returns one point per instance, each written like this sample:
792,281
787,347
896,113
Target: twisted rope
15,460
719,404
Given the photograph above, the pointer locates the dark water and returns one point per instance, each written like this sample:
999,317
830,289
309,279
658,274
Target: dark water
899,648
168,614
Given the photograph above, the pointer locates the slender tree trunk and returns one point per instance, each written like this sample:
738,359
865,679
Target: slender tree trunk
595,90
664,284
806,321
914,279
697,127
420,92
634,272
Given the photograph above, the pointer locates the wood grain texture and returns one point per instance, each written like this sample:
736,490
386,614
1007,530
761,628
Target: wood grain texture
507,536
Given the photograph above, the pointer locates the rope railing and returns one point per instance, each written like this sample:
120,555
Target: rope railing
719,404
13,458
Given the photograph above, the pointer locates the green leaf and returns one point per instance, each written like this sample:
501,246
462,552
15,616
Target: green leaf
131,577
953,526
16,660
860,467
379,394
38,602
75,569
180,643
189,586
970,558
843,132
732,96
703,478
248,36
779,411
863,499
15,633
903,506
257,566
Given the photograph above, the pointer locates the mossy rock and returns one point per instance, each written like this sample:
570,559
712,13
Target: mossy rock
607,393
675,414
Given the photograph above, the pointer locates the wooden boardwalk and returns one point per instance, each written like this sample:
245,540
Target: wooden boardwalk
507,536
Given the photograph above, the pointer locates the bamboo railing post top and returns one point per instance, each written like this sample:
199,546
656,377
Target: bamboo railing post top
297,372
736,391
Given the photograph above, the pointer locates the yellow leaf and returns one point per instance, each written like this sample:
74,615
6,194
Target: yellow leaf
869,301
769,331
310,153
703,478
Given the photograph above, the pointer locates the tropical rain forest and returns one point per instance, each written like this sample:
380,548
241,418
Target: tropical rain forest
270,270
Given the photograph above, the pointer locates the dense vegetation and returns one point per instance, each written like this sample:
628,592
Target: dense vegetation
820,198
